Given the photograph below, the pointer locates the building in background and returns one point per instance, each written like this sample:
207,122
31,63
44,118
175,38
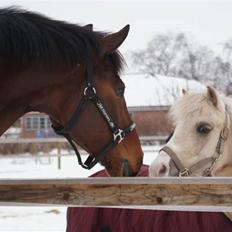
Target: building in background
31,125
36,125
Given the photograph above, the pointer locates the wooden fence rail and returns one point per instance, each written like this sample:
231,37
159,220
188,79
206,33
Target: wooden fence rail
198,194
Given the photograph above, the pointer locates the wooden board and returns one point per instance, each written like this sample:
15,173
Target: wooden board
201,194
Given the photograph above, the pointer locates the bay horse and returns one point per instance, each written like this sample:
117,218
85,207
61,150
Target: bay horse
201,144
72,74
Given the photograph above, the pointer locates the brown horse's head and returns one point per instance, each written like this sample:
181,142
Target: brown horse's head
90,127
50,68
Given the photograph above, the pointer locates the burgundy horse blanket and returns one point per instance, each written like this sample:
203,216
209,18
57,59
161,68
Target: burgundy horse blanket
133,220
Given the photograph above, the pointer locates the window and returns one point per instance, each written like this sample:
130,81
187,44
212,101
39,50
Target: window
28,122
37,123
42,123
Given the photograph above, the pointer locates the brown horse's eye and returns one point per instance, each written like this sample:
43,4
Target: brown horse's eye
120,91
204,129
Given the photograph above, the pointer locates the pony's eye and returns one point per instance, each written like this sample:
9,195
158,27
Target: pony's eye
203,129
120,91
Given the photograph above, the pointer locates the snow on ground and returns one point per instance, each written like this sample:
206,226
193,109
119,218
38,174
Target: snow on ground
44,218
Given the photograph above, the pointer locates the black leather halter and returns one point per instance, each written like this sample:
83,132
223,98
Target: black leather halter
90,95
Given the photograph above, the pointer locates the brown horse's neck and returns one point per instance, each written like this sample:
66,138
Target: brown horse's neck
9,115
34,91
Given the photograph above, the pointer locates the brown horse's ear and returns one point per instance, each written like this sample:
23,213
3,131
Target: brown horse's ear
212,95
89,27
184,91
111,42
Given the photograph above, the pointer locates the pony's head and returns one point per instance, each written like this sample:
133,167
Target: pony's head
201,142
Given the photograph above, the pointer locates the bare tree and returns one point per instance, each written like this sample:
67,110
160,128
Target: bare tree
161,54
176,55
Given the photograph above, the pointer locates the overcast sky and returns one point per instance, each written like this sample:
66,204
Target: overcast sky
210,22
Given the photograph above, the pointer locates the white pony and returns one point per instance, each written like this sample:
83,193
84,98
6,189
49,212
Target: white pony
201,144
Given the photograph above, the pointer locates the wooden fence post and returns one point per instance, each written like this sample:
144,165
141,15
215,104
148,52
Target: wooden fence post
59,157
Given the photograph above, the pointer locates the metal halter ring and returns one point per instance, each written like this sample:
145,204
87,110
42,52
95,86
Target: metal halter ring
119,134
90,88
225,133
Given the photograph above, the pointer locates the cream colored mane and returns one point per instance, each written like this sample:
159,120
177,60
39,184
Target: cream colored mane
190,103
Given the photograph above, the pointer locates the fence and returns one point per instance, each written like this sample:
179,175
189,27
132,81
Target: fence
198,194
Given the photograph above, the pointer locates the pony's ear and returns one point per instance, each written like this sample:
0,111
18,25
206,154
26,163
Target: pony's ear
112,41
88,27
184,91
212,95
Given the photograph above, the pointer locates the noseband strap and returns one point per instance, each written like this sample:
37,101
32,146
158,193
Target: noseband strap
183,171
90,95
176,160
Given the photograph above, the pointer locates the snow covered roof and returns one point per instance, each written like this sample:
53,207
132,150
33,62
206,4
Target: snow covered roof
13,130
146,90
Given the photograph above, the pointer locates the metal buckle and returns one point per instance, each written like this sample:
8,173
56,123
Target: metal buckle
132,127
119,134
207,172
88,90
185,172
225,133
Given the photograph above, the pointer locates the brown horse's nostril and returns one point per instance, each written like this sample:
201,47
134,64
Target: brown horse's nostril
126,169
162,169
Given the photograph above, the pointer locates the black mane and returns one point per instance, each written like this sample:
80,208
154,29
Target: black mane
30,38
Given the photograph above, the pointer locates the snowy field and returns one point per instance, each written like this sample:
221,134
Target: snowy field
44,218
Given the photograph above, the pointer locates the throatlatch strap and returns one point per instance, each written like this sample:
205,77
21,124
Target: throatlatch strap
75,149
71,123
